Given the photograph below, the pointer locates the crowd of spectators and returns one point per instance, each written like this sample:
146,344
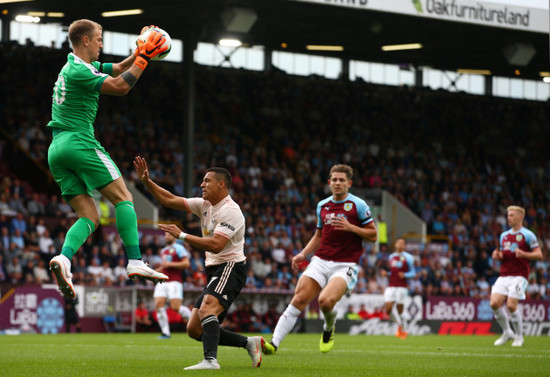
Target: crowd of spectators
455,160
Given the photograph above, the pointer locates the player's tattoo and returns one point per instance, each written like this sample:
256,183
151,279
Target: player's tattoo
129,78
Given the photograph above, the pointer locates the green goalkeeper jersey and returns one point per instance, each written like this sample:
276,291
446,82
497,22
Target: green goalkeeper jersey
75,99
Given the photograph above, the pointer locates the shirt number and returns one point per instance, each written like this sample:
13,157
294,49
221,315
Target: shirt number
59,90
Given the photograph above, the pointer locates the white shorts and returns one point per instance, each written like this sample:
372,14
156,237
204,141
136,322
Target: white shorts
511,286
396,294
322,271
170,290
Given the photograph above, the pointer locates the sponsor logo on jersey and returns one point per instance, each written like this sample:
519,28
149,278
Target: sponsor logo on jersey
397,263
229,226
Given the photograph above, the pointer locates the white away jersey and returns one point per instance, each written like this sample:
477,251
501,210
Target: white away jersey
226,219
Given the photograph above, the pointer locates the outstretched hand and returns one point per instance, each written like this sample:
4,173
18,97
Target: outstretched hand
141,168
143,30
171,228
152,46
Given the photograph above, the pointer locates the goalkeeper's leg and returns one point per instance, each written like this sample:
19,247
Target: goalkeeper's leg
126,223
60,265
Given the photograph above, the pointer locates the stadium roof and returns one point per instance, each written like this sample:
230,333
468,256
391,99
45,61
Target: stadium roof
447,45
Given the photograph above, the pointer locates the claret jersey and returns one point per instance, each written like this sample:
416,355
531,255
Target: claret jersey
174,253
509,242
400,262
338,245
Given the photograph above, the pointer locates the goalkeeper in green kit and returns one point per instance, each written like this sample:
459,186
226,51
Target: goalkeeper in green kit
78,162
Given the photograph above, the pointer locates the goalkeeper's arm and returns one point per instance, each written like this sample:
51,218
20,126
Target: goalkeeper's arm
121,85
123,66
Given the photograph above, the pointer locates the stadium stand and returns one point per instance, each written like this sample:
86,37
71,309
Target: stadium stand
455,160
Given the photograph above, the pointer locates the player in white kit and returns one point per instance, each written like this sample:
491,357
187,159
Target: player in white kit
223,228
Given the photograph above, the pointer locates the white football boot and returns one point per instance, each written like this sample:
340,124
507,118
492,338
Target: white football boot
62,271
254,348
137,269
505,338
518,341
205,364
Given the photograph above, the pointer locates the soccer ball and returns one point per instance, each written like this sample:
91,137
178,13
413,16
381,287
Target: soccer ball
143,37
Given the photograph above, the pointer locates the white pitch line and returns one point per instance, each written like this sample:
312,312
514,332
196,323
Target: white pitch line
376,352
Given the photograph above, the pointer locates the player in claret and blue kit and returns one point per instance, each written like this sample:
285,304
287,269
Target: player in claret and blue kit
175,258
343,222
401,266
518,246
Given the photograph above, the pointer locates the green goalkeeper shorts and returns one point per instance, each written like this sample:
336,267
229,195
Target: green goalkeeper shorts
80,164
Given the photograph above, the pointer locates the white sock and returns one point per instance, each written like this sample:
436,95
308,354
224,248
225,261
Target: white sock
285,324
135,262
404,323
185,312
395,317
502,318
516,319
162,318
330,319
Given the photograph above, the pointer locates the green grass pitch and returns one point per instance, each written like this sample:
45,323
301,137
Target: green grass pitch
135,355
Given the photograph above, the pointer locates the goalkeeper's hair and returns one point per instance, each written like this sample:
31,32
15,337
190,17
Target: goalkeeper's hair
222,174
342,168
80,28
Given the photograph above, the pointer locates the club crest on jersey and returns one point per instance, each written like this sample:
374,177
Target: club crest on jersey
519,237
348,206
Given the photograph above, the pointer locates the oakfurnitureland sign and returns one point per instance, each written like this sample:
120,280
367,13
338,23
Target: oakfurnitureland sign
475,12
